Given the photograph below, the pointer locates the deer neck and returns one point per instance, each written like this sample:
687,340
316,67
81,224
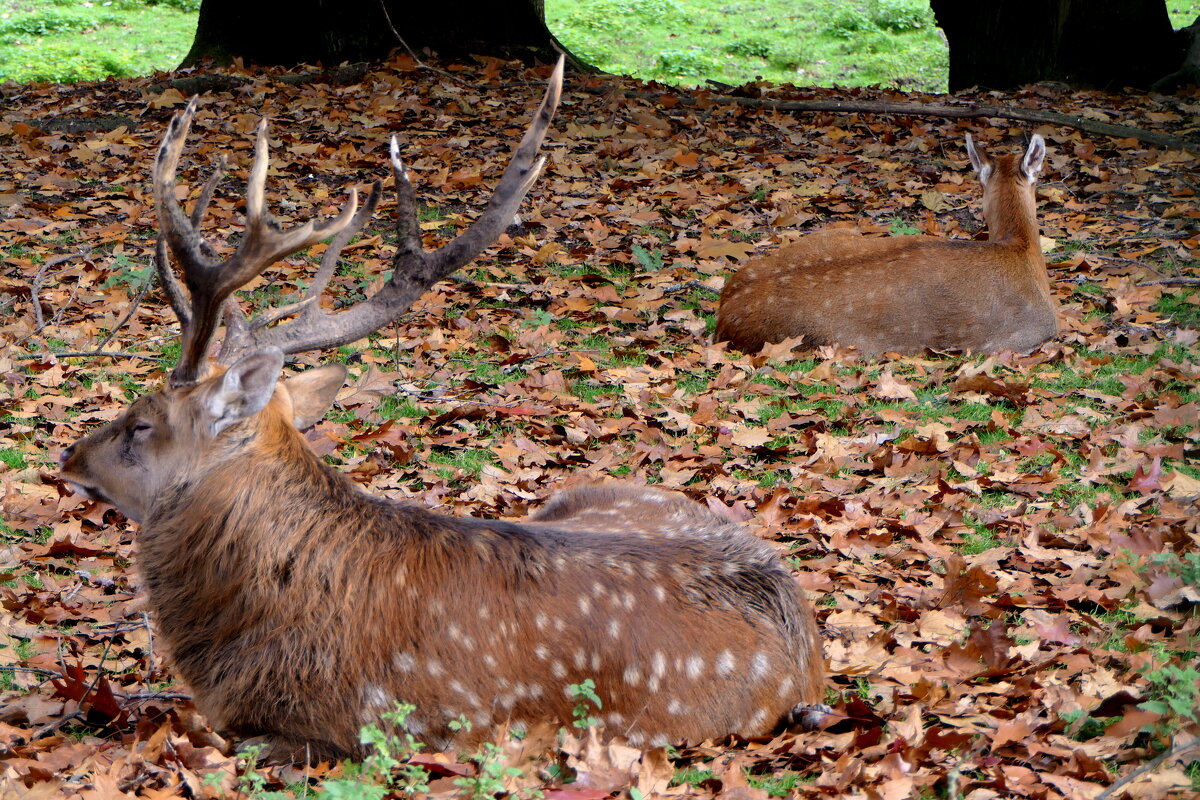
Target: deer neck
1011,214
250,512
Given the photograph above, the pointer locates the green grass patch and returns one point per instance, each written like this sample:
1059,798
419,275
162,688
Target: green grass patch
1183,308
692,776
12,458
62,41
778,784
468,460
806,42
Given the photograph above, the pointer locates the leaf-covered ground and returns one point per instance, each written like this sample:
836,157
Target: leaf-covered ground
1003,550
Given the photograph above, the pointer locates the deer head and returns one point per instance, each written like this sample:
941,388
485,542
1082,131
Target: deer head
163,438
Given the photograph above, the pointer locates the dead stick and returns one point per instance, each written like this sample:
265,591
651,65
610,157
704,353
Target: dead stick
52,727
1172,282
39,321
91,354
1153,764
137,301
968,110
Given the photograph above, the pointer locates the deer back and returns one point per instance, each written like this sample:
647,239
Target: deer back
907,293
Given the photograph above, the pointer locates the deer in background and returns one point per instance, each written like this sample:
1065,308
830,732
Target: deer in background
907,293
299,607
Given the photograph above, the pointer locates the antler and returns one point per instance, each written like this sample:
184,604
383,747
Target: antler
414,270
209,281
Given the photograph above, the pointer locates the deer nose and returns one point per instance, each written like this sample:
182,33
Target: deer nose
65,456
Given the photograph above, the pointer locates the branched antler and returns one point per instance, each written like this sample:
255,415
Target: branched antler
210,282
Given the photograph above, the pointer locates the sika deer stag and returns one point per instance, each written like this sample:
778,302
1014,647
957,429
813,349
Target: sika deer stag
297,606
907,293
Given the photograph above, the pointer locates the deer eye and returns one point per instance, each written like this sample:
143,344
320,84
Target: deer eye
142,429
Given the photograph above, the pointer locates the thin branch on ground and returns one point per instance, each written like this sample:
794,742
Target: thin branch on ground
965,111
133,307
90,354
412,54
36,288
1149,766
45,673
1130,262
144,696
1172,282
39,321
53,727
692,284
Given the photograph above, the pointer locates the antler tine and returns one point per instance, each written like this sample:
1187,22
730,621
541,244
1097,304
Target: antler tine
414,269
522,171
236,337
210,281
330,259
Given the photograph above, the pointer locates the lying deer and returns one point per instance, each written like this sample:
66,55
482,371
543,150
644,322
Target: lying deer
299,607
907,293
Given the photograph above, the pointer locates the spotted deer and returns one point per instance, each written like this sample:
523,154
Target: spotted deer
298,607
907,293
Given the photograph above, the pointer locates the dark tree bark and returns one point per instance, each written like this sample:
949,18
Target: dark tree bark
291,32
1096,43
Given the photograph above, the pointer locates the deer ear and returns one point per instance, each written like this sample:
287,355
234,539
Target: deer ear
244,389
1031,164
979,160
313,392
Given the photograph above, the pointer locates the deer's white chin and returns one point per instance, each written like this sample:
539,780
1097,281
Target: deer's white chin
92,493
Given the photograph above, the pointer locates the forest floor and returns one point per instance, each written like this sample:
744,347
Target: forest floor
1003,551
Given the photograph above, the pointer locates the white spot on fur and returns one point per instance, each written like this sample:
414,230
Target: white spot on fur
376,697
675,707
725,663
785,686
542,652
756,722
434,667
659,667
404,661
695,665
660,593
585,605
614,628
557,669
758,666
541,621
578,659
632,675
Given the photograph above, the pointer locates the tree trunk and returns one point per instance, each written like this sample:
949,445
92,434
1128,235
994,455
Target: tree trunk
1097,43
291,32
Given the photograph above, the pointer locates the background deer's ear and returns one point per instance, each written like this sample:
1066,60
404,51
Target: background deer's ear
979,160
244,389
1031,164
313,392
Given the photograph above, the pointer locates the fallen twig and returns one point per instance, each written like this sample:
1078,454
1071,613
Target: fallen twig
965,111
90,354
1153,764
133,307
692,284
53,727
1172,282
